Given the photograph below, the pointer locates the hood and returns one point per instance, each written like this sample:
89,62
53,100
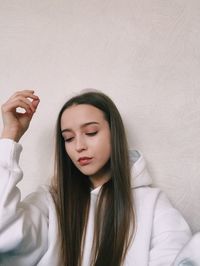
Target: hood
139,174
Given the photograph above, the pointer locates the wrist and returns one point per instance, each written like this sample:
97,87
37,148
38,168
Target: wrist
10,134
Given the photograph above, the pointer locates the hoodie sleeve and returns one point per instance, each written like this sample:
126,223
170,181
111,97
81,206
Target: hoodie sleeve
170,233
23,224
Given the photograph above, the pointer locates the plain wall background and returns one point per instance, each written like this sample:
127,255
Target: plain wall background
143,53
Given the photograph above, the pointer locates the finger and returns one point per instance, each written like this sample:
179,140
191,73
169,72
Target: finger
25,93
11,106
25,100
35,103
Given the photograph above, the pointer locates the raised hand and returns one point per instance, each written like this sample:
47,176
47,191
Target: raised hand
16,123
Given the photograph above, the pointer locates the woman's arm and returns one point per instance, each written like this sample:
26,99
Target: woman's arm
23,226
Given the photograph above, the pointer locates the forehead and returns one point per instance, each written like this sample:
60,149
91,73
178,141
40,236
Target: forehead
77,115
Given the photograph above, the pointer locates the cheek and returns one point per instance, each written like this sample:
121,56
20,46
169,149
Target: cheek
69,152
104,149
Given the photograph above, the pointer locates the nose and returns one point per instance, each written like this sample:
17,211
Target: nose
80,144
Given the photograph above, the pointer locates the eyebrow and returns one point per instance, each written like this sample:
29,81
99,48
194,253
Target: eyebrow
82,126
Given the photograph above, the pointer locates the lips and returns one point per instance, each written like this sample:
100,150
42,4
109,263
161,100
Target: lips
84,160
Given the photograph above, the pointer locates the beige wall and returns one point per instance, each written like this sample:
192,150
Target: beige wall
144,54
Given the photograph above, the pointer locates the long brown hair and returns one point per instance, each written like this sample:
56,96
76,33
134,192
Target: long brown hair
114,219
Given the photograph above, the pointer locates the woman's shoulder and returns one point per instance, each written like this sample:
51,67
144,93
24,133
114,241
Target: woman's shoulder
147,196
145,193
153,202
152,196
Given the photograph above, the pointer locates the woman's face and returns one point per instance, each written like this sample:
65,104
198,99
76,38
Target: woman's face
87,141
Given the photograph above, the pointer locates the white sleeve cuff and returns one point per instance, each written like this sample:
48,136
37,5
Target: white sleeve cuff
9,152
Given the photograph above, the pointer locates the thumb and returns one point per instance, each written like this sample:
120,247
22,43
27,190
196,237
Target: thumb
35,104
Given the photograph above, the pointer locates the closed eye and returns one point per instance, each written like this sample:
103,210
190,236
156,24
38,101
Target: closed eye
91,134
68,140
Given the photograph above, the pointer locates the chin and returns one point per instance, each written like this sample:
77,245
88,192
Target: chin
88,172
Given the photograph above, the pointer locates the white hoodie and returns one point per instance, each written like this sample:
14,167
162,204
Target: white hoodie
189,255
29,228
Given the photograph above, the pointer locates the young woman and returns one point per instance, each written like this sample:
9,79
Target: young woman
100,210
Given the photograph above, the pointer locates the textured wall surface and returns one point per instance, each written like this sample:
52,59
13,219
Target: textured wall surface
143,53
